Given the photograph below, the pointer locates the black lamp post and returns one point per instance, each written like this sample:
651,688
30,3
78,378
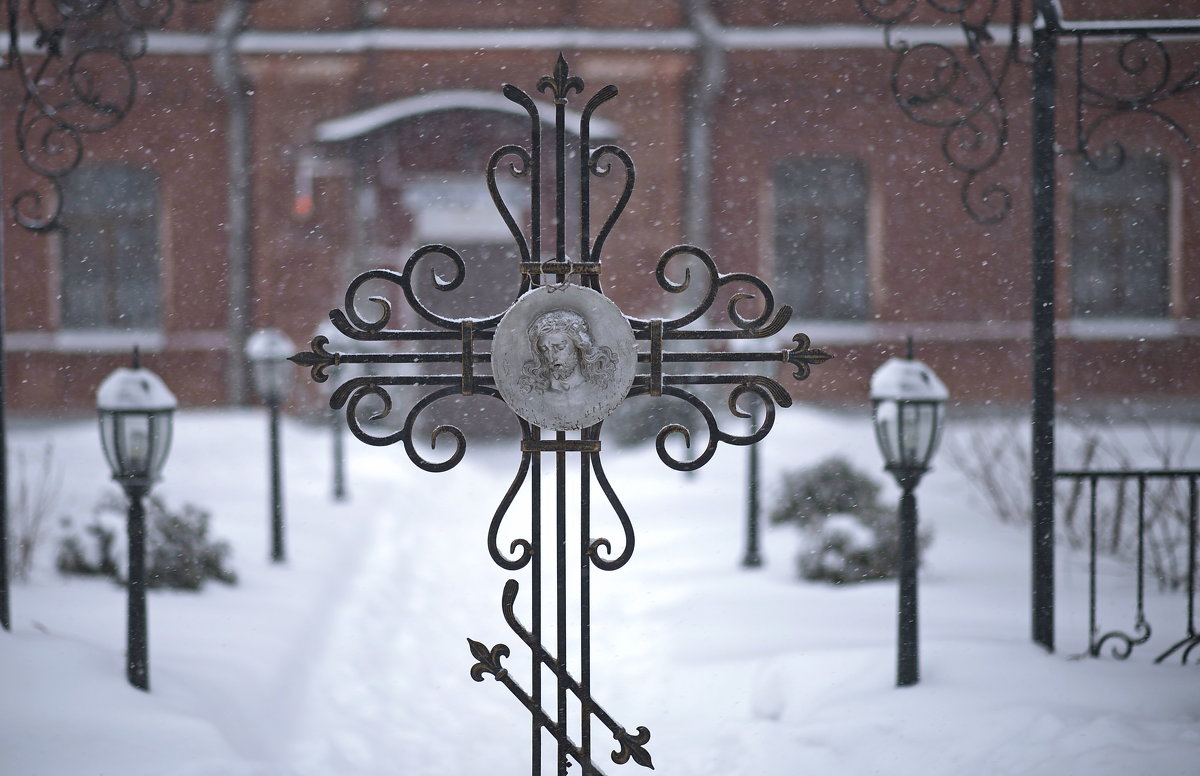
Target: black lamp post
136,411
752,558
336,425
267,351
908,401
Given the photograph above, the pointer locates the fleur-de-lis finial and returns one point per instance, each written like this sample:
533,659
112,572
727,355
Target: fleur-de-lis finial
804,355
561,83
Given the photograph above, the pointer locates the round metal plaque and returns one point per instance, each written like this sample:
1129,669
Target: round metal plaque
563,357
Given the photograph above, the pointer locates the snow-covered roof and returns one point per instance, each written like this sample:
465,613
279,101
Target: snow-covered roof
134,389
782,38
362,122
906,379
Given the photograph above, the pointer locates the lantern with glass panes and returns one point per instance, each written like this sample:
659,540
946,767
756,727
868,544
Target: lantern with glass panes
136,415
267,350
908,402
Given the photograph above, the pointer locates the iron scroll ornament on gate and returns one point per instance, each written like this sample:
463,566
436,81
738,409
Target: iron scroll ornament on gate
564,395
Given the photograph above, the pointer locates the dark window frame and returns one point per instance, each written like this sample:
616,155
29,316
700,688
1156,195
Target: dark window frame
1121,239
110,275
820,241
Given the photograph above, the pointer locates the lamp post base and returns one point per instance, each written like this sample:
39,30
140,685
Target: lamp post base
137,661
908,668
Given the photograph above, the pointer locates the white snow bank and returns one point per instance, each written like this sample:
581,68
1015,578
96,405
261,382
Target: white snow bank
351,659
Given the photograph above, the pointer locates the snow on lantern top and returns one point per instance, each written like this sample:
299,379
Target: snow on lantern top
134,389
906,379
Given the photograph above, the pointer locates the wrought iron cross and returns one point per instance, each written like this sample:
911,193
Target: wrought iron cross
561,400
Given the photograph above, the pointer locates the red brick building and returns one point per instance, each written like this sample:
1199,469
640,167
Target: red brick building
765,132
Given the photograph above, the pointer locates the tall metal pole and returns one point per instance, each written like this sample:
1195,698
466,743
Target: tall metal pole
137,663
5,614
231,82
908,664
752,558
1045,41
277,553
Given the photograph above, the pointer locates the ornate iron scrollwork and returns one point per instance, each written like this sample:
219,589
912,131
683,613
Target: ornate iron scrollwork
958,92
81,82
1146,79
961,90
467,343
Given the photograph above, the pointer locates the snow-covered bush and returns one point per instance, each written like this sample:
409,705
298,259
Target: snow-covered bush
179,553
842,548
847,536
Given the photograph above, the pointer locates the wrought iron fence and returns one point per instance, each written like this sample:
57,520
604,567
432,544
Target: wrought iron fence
1163,507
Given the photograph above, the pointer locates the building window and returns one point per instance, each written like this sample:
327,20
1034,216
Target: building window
821,237
1120,243
458,211
110,265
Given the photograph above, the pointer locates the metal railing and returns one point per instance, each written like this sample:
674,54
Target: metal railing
1151,514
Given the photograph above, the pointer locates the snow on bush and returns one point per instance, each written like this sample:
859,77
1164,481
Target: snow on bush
179,553
848,536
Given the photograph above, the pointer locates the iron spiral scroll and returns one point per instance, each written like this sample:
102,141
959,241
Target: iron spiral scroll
80,81
466,347
961,90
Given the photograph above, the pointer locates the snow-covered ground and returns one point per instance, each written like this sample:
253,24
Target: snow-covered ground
351,659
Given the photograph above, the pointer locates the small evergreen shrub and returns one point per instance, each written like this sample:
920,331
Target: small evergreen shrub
829,487
179,553
847,535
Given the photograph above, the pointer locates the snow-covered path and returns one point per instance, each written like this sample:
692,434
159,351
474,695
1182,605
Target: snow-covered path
387,696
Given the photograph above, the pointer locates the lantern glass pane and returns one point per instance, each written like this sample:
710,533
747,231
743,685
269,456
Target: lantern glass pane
936,436
135,440
272,378
923,431
108,436
161,426
887,430
908,432
911,430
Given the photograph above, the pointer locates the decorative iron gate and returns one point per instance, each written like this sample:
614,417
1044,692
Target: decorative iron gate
1166,506
964,91
562,357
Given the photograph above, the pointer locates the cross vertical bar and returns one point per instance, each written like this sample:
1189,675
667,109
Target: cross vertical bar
585,208
585,611
535,196
535,535
560,186
560,461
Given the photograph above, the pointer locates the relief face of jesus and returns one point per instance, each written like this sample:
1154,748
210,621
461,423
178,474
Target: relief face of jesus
564,355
